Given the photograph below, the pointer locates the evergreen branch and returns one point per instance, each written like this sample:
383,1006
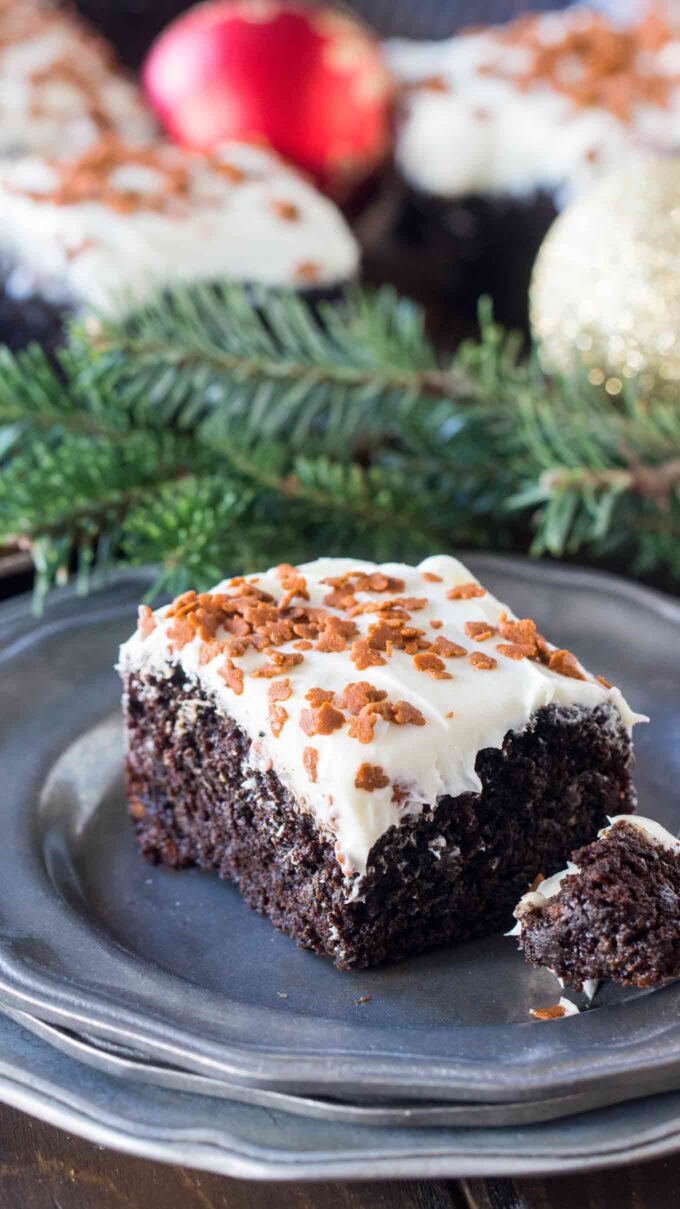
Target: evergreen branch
219,429
276,365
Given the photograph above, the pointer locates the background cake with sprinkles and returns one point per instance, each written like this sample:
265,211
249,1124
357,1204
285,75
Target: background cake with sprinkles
106,229
381,757
61,88
500,126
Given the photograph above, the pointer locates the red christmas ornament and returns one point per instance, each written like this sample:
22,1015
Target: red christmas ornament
307,80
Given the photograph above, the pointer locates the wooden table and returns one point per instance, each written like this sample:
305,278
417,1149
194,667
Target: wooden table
42,1168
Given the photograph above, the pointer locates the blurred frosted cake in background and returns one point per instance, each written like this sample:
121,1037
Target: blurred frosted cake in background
116,223
60,87
498,127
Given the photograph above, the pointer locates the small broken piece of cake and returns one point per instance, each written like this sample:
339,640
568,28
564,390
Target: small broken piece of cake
377,786
106,229
613,913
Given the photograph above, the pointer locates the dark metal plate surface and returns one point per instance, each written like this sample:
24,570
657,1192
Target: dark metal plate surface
258,1143
176,967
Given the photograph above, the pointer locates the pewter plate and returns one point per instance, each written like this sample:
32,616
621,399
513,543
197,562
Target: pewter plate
258,1143
123,1062
179,970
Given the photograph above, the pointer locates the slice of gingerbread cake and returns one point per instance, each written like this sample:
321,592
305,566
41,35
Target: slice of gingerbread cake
381,757
613,913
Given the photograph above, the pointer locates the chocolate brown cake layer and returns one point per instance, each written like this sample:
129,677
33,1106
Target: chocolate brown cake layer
452,873
618,917
29,316
453,251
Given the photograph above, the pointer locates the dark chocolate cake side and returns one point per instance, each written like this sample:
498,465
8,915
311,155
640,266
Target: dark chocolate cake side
451,873
614,913
370,818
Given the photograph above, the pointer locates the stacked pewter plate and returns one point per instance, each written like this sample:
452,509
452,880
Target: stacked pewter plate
154,1011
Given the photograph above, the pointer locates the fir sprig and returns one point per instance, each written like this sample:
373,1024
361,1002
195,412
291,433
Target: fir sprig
218,429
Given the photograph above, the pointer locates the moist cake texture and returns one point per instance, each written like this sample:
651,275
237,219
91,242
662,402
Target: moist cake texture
614,912
381,757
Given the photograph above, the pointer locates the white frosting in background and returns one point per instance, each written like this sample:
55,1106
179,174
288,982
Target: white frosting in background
535,900
50,67
473,710
94,255
483,134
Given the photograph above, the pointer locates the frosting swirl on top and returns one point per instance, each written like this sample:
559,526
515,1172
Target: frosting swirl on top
368,689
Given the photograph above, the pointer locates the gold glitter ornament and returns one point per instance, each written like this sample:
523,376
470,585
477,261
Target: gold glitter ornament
605,290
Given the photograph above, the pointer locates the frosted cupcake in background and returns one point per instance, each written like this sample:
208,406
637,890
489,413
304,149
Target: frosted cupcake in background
107,229
499,127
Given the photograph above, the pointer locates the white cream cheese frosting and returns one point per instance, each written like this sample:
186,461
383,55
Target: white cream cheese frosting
548,102
439,704
111,226
59,87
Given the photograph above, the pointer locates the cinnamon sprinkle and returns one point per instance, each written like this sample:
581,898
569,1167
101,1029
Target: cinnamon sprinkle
321,721
549,1013
479,630
482,662
232,676
371,777
594,63
467,591
310,760
146,622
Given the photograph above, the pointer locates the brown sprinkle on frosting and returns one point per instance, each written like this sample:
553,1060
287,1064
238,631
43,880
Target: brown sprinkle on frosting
521,632
310,759
286,210
482,662
146,622
466,591
431,578
322,720
515,650
307,270
363,655
232,676
317,696
280,691
479,630
278,716
370,777
355,696
432,665
566,664
595,63
449,650
180,633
